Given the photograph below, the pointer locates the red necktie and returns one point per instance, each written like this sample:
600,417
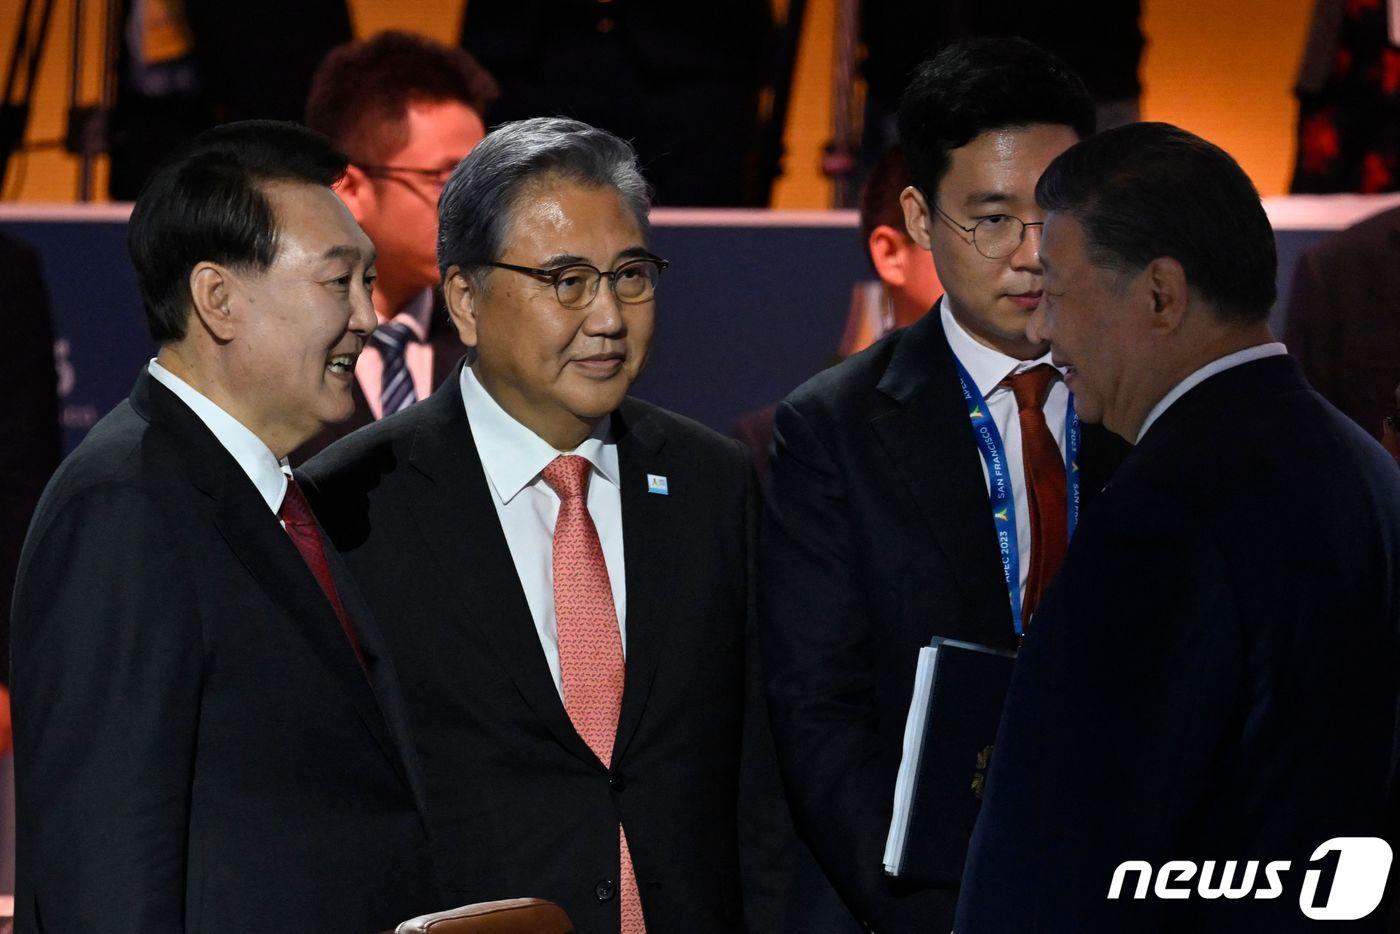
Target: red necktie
1045,483
301,526
590,644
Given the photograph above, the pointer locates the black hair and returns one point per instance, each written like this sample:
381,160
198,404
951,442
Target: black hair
361,91
1149,190
206,204
978,85
879,198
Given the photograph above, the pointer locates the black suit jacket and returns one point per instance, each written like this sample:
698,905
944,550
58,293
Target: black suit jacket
519,804
197,748
1343,320
878,536
1213,676
447,350
28,417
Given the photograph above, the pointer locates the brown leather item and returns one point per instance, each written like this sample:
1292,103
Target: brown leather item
511,916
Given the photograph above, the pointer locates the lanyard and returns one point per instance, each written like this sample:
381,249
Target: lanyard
1003,500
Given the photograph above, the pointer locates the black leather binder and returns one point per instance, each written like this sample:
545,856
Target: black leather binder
959,690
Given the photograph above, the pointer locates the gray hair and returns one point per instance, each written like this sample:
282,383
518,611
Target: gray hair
478,202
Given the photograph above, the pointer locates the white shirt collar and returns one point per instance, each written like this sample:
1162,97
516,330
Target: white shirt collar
987,366
513,455
1220,365
268,474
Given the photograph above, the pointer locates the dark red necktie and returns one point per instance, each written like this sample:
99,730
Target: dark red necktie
301,525
1045,482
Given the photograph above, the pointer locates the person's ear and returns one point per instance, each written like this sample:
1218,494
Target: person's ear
356,189
460,293
888,255
918,218
211,288
1168,293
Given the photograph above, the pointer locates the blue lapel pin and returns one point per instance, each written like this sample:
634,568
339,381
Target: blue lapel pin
657,484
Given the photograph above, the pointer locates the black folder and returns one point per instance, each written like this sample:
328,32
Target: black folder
958,695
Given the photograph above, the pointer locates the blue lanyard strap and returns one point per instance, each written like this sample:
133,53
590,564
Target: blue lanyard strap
1003,499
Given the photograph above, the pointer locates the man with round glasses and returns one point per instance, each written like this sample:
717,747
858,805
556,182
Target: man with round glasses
406,109
927,486
574,637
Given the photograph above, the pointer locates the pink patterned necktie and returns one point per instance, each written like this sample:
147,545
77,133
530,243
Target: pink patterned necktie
590,644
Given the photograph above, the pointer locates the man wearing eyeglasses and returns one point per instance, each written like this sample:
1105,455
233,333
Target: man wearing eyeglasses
574,631
883,529
406,109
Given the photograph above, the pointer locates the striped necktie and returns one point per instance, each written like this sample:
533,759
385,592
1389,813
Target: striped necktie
396,389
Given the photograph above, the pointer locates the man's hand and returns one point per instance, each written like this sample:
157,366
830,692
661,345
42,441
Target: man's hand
6,737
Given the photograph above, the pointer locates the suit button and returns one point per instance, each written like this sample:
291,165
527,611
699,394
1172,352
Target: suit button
606,24
617,782
605,890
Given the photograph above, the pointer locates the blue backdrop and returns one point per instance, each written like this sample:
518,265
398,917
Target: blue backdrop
753,304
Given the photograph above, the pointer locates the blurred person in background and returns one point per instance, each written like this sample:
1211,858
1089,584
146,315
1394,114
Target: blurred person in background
186,65
28,426
1349,100
680,80
1343,321
906,288
406,110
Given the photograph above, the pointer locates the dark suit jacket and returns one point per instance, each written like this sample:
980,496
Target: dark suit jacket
196,746
1343,320
447,350
519,804
29,441
878,536
1213,675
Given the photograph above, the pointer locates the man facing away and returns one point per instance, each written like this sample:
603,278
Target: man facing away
879,532
1213,678
577,614
406,110
209,735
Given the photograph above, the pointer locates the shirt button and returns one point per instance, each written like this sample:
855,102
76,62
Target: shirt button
605,890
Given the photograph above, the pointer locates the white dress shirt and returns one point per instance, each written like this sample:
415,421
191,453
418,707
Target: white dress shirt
1219,365
988,368
268,474
417,355
512,457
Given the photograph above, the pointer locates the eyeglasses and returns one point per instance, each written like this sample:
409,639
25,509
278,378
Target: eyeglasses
633,283
997,236
437,178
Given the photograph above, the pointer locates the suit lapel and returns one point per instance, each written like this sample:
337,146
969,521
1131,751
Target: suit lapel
255,537
651,531
451,502
929,441
380,669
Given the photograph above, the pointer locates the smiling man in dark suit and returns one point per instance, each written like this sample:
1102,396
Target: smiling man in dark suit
576,620
1214,676
879,532
209,736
